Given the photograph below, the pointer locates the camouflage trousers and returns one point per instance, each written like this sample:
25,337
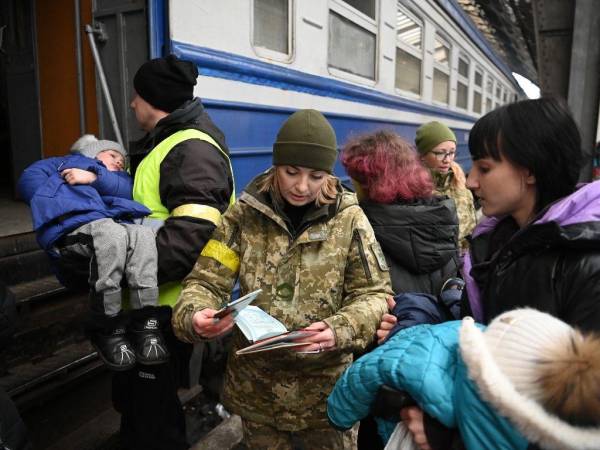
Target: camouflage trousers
264,437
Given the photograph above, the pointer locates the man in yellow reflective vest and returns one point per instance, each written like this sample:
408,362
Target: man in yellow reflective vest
183,174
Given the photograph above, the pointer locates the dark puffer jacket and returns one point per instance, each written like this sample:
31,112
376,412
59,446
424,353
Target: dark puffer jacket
194,172
552,265
419,241
57,208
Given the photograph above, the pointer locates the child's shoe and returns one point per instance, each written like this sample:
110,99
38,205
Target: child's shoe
453,283
148,341
114,349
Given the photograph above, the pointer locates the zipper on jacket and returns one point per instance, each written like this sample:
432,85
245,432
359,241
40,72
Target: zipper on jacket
233,236
363,256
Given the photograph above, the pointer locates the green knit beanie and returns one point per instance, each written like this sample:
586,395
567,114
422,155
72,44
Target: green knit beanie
306,139
432,134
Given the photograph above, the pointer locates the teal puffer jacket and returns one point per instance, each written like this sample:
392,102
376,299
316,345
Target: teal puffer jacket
424,361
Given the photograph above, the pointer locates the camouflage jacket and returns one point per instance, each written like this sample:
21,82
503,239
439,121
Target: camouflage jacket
333,270
465,208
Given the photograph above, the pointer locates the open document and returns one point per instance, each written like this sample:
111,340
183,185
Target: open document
266,332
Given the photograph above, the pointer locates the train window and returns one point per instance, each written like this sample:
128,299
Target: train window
463,67
409,52
367,7
352,48
477,95
272,25
477,102
441,71
462,84
408,72
441,83
409,30
478,79
462,95
441,52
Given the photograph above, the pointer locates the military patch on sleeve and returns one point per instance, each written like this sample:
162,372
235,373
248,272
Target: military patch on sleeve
379,256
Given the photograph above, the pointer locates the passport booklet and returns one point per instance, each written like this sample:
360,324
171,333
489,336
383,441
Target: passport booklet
266,332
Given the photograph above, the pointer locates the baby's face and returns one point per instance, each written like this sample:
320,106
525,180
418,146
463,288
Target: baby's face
112,159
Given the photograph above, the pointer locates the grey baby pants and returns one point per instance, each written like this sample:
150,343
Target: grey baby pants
118,249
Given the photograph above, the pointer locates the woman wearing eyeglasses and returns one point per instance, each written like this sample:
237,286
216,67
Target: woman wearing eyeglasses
436,144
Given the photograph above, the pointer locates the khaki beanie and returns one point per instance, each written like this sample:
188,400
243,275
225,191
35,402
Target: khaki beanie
431,134
306,139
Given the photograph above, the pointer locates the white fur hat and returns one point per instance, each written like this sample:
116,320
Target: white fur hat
506,361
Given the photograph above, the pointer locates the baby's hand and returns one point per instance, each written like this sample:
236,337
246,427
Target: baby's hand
78,176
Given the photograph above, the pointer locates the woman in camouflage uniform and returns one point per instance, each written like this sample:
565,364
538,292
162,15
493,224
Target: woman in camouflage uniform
307,244
437,145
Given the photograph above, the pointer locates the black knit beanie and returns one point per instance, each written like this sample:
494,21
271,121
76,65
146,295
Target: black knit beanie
166,83
306,139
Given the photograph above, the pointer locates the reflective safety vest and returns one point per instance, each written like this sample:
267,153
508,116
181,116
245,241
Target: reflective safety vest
146,190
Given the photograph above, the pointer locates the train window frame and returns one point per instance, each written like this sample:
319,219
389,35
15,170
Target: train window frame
440,67
477,90
410,50
464,80
359,19
270,54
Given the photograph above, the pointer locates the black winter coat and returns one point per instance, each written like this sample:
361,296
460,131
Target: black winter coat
552,268
194,171
419,241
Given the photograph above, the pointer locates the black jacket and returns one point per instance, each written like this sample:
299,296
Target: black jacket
419,241
552,268
194,171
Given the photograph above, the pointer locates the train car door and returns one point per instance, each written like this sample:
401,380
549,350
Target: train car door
49,90
122,38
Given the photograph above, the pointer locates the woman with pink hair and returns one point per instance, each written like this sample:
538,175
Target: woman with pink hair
417,230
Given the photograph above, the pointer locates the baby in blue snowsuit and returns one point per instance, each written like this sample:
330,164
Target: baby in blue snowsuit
83,211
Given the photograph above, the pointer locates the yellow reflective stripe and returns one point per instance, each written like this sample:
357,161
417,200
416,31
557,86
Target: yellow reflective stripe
199,211
221,253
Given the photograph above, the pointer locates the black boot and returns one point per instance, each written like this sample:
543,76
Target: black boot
114,348
147,339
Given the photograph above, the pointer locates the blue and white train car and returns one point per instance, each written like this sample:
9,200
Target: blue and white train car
366,64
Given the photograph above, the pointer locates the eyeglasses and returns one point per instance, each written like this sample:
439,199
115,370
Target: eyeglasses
440,156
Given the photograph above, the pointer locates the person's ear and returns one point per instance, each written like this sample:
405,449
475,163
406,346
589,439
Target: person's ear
530,178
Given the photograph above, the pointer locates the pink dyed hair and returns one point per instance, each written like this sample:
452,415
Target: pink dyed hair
387,167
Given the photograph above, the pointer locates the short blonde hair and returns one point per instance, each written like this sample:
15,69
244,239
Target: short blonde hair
325,196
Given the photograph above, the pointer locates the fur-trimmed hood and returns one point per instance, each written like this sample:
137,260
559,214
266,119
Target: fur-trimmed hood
532,368
465,377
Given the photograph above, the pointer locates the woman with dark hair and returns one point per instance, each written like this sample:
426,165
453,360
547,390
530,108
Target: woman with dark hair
540,246
417,230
